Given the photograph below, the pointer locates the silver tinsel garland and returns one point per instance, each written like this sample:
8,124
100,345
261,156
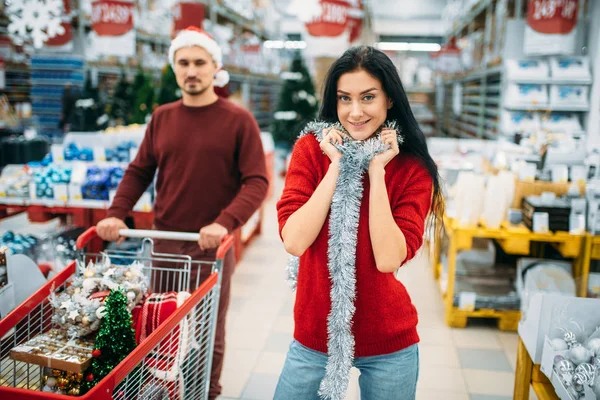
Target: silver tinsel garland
343,231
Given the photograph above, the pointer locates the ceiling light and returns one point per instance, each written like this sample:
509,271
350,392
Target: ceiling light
405,46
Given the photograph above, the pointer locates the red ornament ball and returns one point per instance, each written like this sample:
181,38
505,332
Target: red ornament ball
96,353
89,377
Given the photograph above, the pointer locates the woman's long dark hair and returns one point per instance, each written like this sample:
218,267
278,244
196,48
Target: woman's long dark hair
378,65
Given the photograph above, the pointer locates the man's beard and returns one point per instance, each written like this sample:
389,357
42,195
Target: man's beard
198,90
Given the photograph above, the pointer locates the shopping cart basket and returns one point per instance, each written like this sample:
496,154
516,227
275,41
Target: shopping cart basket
173,362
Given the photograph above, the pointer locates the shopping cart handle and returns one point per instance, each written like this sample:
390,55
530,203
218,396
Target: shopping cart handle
91,233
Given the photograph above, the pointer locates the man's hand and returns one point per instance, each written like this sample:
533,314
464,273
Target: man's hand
108,229
211,236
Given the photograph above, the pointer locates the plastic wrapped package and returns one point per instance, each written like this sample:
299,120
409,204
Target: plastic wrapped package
522,94
533,69
520,121
569,95
562,122
569,68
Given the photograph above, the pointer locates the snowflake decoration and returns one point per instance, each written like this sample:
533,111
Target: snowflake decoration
35,20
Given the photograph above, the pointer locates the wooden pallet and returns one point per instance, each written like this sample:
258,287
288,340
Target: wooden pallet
507,320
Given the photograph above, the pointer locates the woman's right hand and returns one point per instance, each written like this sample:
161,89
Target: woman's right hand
331,137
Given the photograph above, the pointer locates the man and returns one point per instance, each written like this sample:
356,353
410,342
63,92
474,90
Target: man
211,168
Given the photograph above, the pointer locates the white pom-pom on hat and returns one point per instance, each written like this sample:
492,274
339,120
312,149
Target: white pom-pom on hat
221,78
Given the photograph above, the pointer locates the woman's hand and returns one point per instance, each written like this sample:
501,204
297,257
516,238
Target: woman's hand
390,138
331,137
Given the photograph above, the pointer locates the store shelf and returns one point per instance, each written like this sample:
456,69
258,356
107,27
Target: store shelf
464,22
547,108
551,81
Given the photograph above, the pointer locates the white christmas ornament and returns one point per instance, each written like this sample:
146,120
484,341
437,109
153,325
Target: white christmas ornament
100,312
130,296
89,284
73,315
35,20
559,344
594,346
579,354
66,304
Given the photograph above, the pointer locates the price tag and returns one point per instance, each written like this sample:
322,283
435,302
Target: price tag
75,192
61,192
99,153
466,301
58,153
32,191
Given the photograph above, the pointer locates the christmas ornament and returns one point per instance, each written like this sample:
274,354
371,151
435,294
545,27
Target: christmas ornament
100,312
62,382
89,284
85,321
89,273
89,378
96,353
596,363
559,344
570,338
579,354
586,369
56,372
594,346
74,391
131,296
73,314
565,367
36,20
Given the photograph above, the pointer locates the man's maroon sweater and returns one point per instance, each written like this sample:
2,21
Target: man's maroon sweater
211,167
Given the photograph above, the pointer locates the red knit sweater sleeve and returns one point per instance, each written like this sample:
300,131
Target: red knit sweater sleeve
301,178
253,175
411,205
137,178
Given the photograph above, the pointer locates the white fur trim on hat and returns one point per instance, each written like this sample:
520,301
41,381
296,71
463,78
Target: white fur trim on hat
221,78
191,37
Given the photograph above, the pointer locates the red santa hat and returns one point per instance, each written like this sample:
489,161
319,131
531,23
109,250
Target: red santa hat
194,36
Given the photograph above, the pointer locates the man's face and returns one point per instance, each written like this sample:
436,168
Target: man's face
194,70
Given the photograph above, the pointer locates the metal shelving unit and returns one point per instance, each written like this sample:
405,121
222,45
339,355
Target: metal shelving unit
481,96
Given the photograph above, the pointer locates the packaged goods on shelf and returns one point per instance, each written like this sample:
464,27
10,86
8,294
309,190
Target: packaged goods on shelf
570,69
534,69
569,95
14,182
520,121
561,122
521,94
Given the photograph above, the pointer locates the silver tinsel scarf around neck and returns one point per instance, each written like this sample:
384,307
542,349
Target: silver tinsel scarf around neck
341,254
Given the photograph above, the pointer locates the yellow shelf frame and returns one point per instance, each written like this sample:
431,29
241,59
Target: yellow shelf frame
514,240
529,375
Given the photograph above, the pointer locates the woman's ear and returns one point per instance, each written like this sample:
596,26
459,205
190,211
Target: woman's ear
390,104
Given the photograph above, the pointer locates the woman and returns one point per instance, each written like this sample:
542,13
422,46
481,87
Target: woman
353,211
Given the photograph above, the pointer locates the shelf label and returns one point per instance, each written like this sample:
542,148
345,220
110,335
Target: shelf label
99,153
466,301
58,153
32,191
61,192
75,192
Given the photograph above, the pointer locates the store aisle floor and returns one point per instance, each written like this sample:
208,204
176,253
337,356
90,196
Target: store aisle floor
475,363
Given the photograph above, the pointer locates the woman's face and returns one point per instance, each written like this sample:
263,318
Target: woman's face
362,104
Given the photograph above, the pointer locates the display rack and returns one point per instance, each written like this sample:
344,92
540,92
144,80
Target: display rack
480,97
527,375
515,241
483,95
422,100
260,94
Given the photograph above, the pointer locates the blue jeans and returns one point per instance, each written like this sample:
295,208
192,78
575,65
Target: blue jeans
388,377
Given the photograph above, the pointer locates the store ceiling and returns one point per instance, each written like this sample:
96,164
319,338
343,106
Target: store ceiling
407,9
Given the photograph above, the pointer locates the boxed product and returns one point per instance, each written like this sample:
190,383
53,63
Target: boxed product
571,349
55,350
524,95
570,69
569,95
561,122
519,121
533,69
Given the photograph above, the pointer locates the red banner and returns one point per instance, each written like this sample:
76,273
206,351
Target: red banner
355,22
187,14
61,40
333,19
112,17
552,16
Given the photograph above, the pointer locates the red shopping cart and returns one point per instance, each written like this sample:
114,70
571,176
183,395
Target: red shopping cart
172,362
